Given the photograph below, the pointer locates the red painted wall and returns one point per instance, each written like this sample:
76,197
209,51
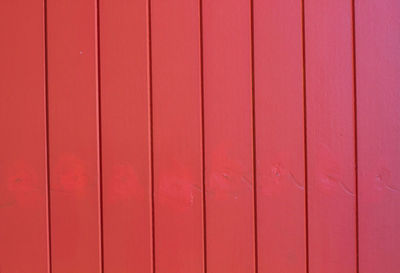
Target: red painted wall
200,136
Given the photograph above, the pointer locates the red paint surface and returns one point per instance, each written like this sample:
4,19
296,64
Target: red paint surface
176,94
228,136
279,131
165,105
378,85
73,133
23,182
330,136
125,136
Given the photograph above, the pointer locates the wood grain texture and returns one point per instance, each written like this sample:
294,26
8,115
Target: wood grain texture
330,136
378,99
228,136
73,136
23,183
279,117
125,136
176,100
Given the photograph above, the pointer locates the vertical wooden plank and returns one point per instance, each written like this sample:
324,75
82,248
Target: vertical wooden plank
125,136
378,102
228,136
279,117
73,136
330,136
176,101
23,202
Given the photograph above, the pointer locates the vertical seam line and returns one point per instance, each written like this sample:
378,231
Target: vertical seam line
99,140
355,131
254,163
203,138
151,135
305,135
47,145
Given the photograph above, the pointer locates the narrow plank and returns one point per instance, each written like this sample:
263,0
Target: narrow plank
177,144
228,136
73,136
125,136
330,136
279,116
378,99
23,184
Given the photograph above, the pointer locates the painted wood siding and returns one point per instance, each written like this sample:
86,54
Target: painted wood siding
199,136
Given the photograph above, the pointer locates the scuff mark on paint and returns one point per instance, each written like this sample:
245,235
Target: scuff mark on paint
330,180
70,175
345,189
382,177
295,182
178,192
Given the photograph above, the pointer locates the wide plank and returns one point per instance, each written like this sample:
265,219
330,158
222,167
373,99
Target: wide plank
279,127
330,136
74,136
23,166
377,28
228,136
177,136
